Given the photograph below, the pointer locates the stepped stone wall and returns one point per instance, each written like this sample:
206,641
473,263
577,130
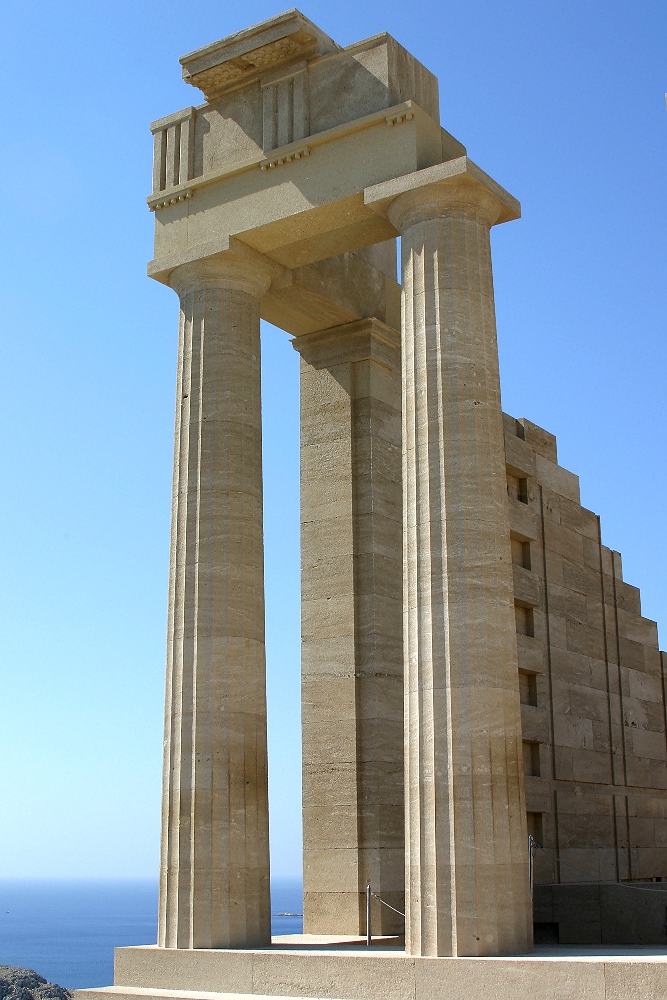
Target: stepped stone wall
592,683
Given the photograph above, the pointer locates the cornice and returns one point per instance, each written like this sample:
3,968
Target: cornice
241,58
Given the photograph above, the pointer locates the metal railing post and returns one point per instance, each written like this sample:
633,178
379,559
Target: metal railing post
368,914
531,848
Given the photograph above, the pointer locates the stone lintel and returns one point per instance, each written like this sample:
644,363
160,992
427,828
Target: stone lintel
306,209
241,58
459,173
321,296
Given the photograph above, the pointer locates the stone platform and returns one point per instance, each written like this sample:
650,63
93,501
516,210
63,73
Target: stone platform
345,969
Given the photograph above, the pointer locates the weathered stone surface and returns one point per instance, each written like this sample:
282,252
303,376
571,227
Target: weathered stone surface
214,881
466,859
352,709
315,969
599,798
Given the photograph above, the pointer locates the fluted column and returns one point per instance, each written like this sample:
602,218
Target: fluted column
351,652
214,881
466,852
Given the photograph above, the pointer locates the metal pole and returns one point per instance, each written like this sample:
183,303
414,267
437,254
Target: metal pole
368,914
531,848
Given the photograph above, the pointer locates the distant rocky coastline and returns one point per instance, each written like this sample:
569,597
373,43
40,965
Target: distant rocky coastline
24,984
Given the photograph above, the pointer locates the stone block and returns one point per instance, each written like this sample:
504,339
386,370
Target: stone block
335,291
638,770
574,732
369,76
563,541
645,981
523,520
589,703
526,586
567,603
635,713
573,515
653,661
327,617
591,766
592,554
555,568
575,800
582,579
649,745
589,829
332,976
638,629
643,686
658,774
329,742
333,698
538,792
557,479
519,456
629,599
541,441
550,506
150,967
602,736
534,724
583,638
531,654
326,658
596,618
563,757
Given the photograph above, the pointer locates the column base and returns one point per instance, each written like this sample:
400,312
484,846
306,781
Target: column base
335,967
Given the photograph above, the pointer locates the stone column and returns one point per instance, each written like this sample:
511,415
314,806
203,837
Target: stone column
214,882
466,845
352,657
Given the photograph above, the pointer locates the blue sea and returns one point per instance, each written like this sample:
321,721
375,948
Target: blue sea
66,930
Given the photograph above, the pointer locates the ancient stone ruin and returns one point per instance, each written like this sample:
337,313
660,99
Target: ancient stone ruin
475,671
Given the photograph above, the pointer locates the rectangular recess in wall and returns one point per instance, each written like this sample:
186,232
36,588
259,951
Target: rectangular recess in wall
520,552
534,824
517,488
527,688
525,623
531,759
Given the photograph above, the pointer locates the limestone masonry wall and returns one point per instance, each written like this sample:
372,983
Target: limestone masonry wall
592,682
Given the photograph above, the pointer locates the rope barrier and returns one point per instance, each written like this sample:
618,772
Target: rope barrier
388,905
370,894
532,846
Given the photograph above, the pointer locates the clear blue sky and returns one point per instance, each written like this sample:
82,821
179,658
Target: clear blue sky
561,102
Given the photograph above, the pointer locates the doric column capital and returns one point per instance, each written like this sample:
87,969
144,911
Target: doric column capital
361,340
224,270
456,185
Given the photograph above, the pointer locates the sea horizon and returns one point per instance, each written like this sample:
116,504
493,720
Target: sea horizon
66,929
